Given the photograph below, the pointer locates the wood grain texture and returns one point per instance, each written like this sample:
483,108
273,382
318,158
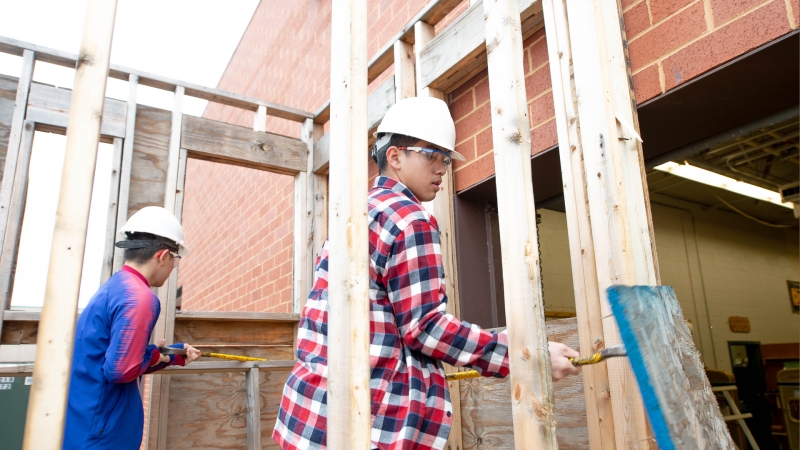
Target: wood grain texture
485,404
528,358
214,409
230,144
253,409
681,406
50,105
149,165
274,340
404,83
600,418
16,333
236,316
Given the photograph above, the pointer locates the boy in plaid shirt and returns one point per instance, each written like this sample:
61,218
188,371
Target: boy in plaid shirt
411,334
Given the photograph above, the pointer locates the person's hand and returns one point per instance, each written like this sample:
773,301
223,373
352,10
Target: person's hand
560,365
161,358
192,354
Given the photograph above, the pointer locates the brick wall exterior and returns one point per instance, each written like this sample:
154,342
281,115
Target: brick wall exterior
239,222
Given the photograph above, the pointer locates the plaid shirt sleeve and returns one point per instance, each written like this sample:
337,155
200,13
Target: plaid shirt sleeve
415,286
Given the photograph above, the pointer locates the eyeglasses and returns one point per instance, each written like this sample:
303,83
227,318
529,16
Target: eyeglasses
176,257
429,154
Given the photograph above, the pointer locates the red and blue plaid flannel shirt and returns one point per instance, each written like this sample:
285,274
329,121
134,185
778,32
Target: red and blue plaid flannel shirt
410,335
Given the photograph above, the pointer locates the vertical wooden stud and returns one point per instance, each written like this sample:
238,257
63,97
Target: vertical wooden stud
14,137
320,191
111,217
423,33
599,415
260,119
16,209
349,406
125,169
623,243
442,209
533,409
48,399
404,83
253,409
301,272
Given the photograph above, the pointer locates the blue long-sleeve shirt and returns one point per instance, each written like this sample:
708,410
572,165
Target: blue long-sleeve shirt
104,409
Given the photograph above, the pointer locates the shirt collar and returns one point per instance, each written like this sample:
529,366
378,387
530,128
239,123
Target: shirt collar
383,182
129,269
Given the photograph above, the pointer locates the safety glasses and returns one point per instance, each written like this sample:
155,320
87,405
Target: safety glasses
176,257
429,154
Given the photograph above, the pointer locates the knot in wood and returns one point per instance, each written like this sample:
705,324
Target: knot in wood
517,392
526,354
514,138
84,59
28,126
260,147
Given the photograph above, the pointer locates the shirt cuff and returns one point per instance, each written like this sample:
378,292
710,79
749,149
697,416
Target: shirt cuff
155,357
179,360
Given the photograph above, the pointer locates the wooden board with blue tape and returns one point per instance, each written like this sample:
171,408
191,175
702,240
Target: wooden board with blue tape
681,407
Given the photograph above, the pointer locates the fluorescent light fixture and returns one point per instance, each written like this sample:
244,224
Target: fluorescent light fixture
721,181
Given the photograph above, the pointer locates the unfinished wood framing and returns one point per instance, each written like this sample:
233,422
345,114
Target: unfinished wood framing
584,277
125,168
529,360
111,215
404,83
253,409
47,405
348,317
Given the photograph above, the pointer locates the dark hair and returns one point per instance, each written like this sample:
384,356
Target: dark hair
397,140
142,255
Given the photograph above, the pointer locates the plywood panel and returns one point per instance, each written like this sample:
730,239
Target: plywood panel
16,333
274,341
213,409
486,404
8,93
149,166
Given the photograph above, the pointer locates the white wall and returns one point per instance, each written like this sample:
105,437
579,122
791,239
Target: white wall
720,264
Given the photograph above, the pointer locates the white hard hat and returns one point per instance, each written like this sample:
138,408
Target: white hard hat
425,118
158,221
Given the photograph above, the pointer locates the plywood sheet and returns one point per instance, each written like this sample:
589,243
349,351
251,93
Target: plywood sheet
209,411
150,151
486,404
272,340
16,333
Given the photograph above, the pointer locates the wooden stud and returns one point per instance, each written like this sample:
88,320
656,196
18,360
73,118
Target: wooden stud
404,84
349,406
111,217
260,119
310,242
320,190
533,408
442,209
47,405
622,240
14,138
301,281
125,169
16,208
587,296
253,409
424,33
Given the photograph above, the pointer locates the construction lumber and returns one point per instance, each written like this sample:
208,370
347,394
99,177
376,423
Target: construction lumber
219,142
584,276
15,211
50,105
612,179
303,214
111,215
404,83
224,316
485,403
19,332
44,54
425,33
529,359
460,52
253,409
442,209
215,409
349,407
260,119
322,156
44,424
8,93
319,190
680,403
14,141
125,168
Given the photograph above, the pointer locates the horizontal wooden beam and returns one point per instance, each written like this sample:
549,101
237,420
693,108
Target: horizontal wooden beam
224,143
57,57
459,52
26,369
322,154
50,106
237,316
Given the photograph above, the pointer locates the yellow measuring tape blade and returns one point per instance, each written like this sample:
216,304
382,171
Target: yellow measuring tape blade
231,357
